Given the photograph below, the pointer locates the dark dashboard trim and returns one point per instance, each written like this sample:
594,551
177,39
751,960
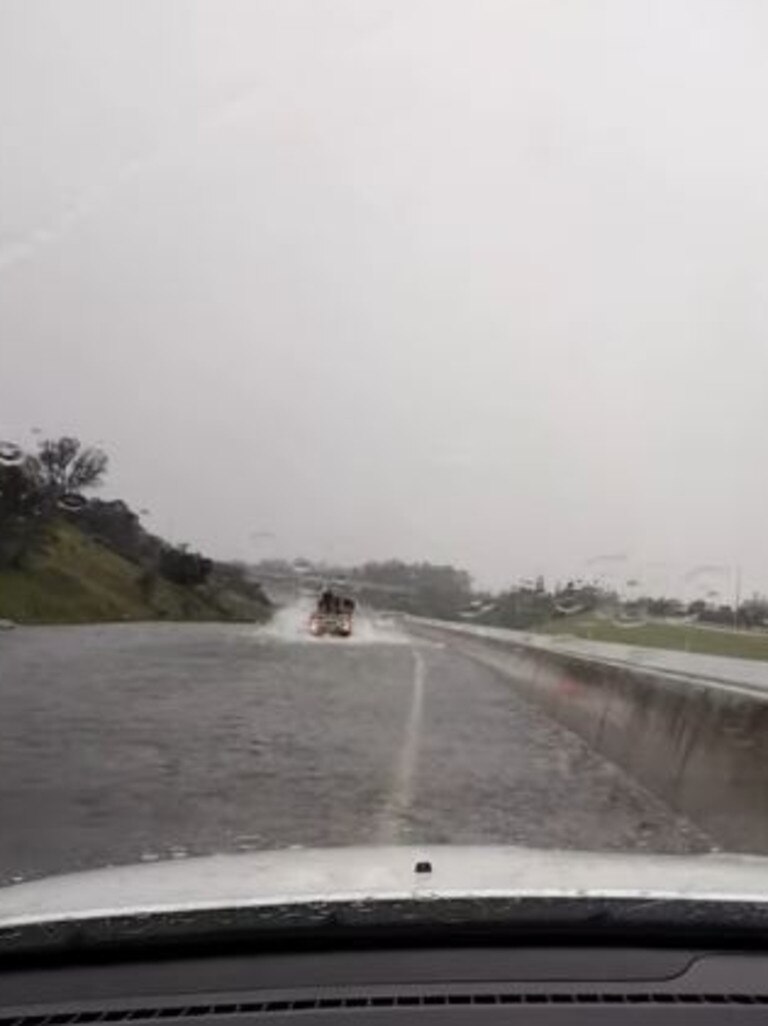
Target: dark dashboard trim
380,924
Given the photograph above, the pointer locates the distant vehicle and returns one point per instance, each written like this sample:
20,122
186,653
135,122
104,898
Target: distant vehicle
337,625
333,616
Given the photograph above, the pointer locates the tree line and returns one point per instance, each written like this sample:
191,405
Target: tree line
529,605
427,589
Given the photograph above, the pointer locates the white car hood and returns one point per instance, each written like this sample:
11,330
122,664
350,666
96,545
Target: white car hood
356,875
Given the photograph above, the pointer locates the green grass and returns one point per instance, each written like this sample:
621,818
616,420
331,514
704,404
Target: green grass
77,580
680,637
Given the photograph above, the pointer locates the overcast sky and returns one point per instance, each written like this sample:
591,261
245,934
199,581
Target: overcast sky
482,281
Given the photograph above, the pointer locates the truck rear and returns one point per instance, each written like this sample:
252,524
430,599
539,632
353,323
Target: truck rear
337,625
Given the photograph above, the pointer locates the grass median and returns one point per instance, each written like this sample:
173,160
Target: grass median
740,644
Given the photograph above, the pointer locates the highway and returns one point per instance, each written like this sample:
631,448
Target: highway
126,743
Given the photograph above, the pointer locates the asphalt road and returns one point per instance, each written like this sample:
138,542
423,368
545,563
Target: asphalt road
136,742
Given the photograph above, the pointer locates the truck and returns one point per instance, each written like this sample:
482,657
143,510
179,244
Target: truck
332,617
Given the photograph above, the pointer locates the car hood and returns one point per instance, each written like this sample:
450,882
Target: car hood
358,876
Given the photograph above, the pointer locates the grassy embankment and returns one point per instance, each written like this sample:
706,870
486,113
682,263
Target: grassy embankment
739,644
75,579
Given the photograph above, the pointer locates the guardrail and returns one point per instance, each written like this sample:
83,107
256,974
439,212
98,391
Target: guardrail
700,745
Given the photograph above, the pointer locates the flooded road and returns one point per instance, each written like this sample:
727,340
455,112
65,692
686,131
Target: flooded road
123,743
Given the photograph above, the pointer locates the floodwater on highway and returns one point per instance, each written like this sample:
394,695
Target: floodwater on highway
131,742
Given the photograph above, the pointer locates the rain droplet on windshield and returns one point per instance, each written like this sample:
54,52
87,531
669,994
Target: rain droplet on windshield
11,454
72,502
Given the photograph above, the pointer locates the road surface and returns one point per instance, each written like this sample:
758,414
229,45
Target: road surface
135,742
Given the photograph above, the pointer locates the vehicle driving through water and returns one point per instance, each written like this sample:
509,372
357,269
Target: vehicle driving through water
333,615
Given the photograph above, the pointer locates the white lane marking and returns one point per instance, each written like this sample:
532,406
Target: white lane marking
391,817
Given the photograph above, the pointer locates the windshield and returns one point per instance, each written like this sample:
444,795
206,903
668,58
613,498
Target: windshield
381,396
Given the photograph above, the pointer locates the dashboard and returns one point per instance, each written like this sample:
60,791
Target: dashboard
388,986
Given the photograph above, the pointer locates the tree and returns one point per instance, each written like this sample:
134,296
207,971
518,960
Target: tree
180,566
423,588
20,490
22,511
754,612
33,492
114,524
66,467
663,607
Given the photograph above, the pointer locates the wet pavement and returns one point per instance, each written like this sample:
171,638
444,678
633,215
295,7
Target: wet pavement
124,743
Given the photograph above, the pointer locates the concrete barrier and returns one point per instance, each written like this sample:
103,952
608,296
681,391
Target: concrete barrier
701,746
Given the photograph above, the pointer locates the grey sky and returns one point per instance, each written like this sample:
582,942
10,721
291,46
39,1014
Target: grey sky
471,281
